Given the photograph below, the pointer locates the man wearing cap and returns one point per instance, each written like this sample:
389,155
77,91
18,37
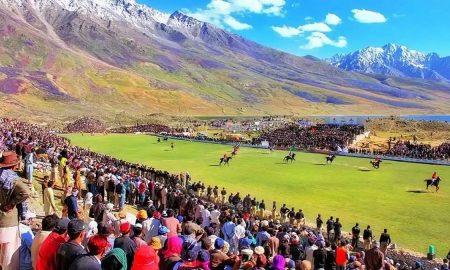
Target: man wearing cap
125,243
26,236
97,247
68,251
13,194
374,257
137,235
46,258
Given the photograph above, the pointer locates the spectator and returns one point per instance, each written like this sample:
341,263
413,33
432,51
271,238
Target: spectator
145,258
374,259
48,225
68,251
124,242
49,200
116,259
47,259
97,247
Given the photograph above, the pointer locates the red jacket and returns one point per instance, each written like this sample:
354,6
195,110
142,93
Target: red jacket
46,259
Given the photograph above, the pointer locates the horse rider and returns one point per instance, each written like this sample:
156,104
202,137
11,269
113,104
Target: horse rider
434,177
225,156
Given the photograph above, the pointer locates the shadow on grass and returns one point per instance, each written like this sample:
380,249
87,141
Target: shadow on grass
281,163
320,164
418,191
364,170
214,165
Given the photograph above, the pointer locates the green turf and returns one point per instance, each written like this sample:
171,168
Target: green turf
392,197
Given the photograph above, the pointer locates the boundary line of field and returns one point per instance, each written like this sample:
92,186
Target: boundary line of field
393,158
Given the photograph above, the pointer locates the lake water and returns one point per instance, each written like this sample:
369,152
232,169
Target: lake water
361,119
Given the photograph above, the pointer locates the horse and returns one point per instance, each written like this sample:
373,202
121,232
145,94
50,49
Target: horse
290,157
225,161
330,159
165,139
376,164
435,183
234,153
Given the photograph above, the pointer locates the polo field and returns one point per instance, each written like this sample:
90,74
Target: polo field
393,196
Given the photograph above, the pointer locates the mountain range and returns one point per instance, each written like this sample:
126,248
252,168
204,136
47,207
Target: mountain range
118,59
395,60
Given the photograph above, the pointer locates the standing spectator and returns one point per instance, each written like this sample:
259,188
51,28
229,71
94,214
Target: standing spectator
319,223
124,242
172,223
385,241
300,218
355,235
137,236
26,237
77,181
71,204
367,237
374,258
331,256
145,258
29,164
228,230
320,257
49,200
330,226
68,251
97,247
121,193
341,256
46,258
48,225
13,192
116,259
337,230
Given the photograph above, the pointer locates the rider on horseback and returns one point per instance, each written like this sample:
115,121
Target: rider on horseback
434,177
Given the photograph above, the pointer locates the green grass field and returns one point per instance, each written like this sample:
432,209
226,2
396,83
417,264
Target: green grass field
392,197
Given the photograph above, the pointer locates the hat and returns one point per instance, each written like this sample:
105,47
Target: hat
9,159
122,214
156,215
417,265
219,243
29,215
125,228
62,224
145,257
247,252
142,214
75,226
163,230
259,250
164,213
376,244
138,226
155,243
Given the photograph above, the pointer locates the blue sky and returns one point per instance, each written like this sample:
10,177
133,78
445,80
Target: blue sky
325,27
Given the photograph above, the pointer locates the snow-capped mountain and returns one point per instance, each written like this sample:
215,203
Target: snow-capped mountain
129,11
395,60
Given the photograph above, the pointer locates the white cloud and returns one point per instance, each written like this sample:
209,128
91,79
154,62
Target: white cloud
318,39
315,27
286,31
309,18
235,24
367,16
220,12
332,19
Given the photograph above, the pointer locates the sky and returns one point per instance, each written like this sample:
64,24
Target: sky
323,28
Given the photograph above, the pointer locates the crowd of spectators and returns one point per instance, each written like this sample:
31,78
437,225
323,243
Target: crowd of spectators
181,224
409,149
143,128
85,125
318,137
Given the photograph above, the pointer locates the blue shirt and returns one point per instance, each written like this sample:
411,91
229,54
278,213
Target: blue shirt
228,229
261,237
26,236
